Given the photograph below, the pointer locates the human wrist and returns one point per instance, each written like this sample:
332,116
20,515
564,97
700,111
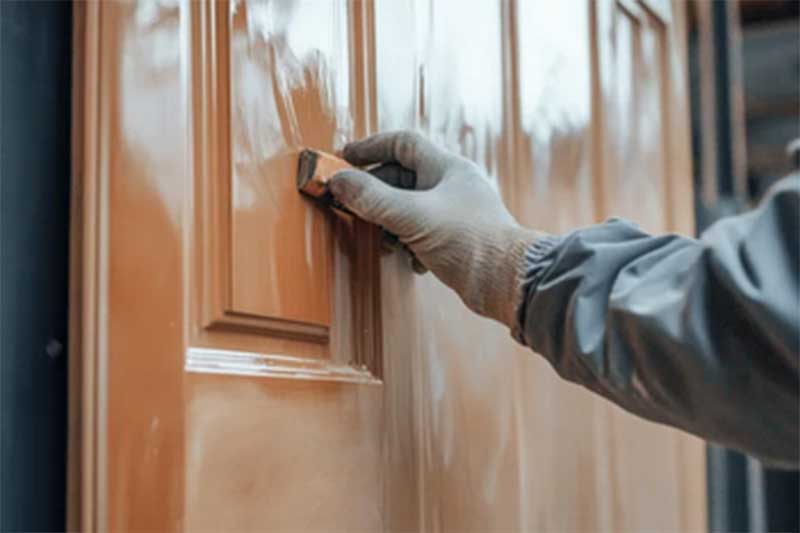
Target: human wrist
501,280
536,263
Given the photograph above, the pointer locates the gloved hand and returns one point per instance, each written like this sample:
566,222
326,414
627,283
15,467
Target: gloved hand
453,220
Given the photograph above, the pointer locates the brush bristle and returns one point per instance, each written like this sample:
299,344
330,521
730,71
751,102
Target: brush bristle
306,166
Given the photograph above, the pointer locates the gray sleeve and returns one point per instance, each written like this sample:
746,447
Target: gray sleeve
698,334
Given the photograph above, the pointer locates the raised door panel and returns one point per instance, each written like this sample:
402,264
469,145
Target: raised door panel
273,271
289,76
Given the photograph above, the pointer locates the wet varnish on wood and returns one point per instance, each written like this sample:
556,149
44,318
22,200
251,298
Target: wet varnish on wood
252,362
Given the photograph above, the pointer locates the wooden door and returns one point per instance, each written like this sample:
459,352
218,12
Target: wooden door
251,362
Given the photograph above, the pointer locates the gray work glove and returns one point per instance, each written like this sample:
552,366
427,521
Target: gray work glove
453,220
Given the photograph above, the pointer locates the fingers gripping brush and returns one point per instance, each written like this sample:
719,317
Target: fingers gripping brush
314,172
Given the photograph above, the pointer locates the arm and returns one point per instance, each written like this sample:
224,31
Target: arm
701,335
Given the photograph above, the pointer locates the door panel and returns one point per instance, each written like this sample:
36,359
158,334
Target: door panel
270,79
253,362
289,88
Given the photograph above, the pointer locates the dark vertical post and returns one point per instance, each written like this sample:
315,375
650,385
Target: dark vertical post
35,48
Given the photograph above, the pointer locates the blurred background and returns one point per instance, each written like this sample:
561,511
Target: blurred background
745,85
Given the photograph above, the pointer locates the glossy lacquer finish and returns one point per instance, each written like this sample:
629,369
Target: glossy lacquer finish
289,88
494,440
254,363
291,442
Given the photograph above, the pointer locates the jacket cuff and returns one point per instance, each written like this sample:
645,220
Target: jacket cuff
538,258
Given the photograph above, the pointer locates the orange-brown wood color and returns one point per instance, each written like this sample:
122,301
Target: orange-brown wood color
249,361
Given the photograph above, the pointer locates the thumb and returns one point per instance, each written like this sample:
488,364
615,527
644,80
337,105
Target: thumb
370,198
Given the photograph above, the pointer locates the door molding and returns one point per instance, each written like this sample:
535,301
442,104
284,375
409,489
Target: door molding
86,450
353,337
